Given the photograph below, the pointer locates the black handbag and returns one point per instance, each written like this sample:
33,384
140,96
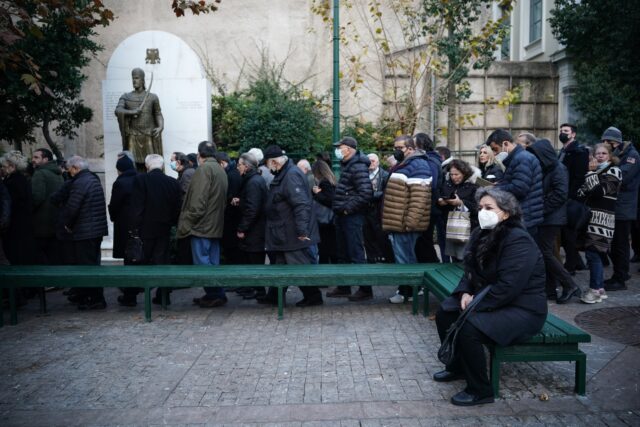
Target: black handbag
133,251
447,352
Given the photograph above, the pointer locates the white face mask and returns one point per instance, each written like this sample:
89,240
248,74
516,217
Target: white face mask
488,219
339,154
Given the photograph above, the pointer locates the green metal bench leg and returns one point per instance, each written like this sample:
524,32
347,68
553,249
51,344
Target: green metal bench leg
415,302
13,307
581,374
280,303
147,304
165,293
495,374
425,309
43,301
1,308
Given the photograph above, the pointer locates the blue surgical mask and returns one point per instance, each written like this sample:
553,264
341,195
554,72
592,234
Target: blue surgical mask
603,165
173,165
339,154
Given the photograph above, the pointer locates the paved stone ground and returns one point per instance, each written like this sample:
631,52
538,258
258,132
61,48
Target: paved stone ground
341,364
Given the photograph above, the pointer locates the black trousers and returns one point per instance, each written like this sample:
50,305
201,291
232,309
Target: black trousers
87,252
425,251
47,251
254,258
300,256
471,360
620,250
568,238
156,252
556,274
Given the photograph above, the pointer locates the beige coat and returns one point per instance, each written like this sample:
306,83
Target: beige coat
407,204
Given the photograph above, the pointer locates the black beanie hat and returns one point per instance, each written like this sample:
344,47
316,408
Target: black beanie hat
124,163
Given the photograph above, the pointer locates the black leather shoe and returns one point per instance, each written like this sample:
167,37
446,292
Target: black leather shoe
466,399
616,280
447,376
157,300
567,294
267,299
92,304
360,296
126,302
614,286
309,302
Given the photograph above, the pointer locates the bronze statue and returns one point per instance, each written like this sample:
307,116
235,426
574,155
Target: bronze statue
140,120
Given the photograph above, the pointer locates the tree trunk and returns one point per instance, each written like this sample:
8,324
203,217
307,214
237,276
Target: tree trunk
451,114
54,147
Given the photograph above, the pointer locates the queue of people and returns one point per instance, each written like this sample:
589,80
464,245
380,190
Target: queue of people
501,219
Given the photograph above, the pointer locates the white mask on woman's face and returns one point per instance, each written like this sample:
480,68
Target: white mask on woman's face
488,219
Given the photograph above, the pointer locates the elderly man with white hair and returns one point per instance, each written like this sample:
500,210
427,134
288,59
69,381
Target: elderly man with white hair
156,207
375,241
84,217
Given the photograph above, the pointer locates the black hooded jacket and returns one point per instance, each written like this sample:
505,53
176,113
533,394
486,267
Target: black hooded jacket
555,183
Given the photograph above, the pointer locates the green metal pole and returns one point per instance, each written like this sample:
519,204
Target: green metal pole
336,80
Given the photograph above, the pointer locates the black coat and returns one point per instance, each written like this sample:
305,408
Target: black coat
252,218
555,183
231,213
327,193
5,207
156,204
627,203
354,191
85,212
575,158
515,308
466,192
289,213
121,210
18,240
492,173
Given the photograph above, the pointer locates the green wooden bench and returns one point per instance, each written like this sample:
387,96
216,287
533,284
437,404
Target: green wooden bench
174,276
557,341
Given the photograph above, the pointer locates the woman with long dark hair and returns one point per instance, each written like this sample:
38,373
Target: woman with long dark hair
323,194
503,255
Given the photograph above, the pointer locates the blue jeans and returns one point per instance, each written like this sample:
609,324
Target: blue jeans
596,269
349,240
404,247
404,250
207,252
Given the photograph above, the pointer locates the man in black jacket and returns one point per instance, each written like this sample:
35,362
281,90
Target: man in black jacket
156,206
575,158
230,244
84,219
251,222
291,229
376,244
353,196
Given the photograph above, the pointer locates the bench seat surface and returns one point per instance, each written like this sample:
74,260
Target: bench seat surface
220,275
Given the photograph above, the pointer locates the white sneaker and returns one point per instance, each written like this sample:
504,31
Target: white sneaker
396,299
603,294
592,296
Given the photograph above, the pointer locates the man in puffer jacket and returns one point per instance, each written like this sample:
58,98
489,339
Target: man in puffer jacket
84,217
354,193
522,178
414,163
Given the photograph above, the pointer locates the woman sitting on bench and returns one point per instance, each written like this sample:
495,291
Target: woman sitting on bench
502,254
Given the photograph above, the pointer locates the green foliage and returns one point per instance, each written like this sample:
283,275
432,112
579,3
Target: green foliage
602,39
373,137
61,46
270,111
